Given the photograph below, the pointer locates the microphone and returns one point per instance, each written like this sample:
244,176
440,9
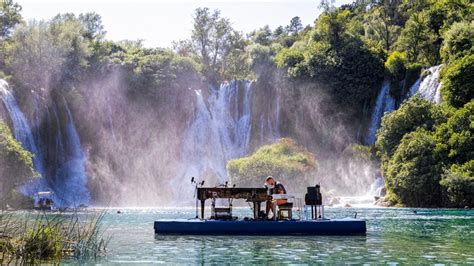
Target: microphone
202,183
192,179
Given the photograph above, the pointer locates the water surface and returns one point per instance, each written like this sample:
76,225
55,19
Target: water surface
430,236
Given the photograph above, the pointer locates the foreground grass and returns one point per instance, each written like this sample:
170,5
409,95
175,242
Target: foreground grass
50,237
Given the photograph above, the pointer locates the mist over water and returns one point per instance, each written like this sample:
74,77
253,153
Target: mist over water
219,132
111,149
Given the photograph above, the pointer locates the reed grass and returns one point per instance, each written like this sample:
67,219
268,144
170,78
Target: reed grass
47,237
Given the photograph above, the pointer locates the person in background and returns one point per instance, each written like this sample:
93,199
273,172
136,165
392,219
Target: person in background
273,187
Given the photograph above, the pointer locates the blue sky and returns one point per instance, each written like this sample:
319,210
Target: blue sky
160,22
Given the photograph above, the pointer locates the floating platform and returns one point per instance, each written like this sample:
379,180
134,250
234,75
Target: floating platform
241,227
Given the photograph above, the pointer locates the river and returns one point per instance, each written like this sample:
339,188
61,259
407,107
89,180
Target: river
394,235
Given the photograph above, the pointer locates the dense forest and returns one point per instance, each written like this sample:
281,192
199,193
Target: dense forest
132,104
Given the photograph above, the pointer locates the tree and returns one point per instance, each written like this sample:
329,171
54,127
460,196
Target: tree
455,137
413,172
458,41
416,39
49,55
278,32
412,114
331,27
458,81
9,17
215,42
284,159
380,27
262,36
93,28
16,164
458,181
295,25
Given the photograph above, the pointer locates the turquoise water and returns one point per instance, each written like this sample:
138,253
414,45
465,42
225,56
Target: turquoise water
431,236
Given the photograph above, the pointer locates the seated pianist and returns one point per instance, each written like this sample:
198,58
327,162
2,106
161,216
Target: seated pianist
274,187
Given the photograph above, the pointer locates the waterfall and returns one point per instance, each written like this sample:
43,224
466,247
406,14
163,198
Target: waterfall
384,103
429,88
23,133
220,131
71,180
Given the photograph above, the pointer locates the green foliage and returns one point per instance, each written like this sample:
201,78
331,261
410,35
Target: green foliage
295,25
334,57
456,136
413,71
42,242
412,114
217,45
156,71
458,81
16,164
416,39
458,41
49,54
413,173
458,182
395,65
417,143
291,59
9,17
380,27
284,160
50,238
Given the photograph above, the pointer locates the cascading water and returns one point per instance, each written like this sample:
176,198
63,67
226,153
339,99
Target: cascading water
70,182
219,132
430,87
385,103
70,179
23,133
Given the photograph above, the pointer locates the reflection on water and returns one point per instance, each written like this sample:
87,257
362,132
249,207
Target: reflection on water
393,236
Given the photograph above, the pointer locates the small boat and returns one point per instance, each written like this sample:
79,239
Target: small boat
44,201
221,221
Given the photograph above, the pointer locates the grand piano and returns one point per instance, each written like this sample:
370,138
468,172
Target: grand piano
254,195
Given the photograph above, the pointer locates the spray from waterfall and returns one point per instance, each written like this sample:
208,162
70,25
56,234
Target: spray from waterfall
71,180
220,131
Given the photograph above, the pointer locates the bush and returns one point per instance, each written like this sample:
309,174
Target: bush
413,172
458,81
459,184
284,160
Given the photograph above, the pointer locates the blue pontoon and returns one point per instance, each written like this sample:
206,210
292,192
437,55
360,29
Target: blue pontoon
222,222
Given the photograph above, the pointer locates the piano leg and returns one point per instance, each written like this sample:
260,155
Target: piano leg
256,210
202,209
